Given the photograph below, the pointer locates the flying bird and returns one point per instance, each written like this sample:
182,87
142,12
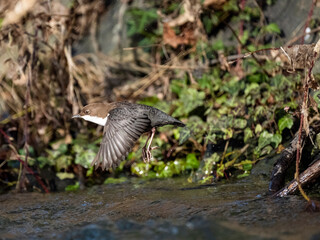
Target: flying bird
124,123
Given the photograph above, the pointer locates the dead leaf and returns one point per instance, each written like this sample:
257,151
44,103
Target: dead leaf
224,65
20,10
68,139
215,4
271,100
185,38
189,15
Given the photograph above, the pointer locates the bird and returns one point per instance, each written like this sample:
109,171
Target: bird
124,123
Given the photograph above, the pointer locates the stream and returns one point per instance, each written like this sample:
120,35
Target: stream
159,209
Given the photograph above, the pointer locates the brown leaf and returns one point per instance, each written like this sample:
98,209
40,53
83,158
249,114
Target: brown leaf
270,100
20,10
185,38
215,4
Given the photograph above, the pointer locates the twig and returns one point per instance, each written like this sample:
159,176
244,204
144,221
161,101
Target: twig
309,18
253,56
225,151
145,46
175,66
16,115
289,43
242,4
152,77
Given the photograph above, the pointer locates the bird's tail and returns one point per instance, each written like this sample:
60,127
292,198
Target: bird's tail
178,123
168,120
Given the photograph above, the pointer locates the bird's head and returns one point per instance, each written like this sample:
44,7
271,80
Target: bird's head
94,112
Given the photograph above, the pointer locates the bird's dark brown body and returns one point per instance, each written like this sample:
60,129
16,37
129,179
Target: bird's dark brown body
123,124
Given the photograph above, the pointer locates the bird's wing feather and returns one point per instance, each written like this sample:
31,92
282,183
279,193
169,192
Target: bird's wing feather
120,133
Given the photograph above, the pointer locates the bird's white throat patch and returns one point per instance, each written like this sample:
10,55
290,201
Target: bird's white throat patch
96,120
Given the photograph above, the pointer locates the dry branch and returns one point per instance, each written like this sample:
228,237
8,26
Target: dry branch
307,176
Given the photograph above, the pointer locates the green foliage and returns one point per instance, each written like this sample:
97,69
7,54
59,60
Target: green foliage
231,5
81,152
74,187
184,134
285,122
248,134
265,139
239,109
246,166
220,108
65,175
61,156
192,162
272,28
162,169
84,154
189,99
112,180
139,22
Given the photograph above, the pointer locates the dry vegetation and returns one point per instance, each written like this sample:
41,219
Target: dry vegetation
39,77
229,93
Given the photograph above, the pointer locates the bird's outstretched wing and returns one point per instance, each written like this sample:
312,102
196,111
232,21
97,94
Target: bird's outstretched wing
122,130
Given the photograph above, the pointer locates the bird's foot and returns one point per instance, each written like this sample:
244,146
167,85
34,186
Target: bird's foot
146,154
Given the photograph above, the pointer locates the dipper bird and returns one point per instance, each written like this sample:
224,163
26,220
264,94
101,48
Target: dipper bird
124,123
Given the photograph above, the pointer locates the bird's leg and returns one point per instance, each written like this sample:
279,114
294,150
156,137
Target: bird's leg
146,153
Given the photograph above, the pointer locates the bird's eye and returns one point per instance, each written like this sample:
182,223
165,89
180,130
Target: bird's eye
87,111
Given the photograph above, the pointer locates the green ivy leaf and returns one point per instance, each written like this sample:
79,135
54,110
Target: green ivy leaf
285,122
184,134
218,45
264,139
190,98
245,36
65,175
240,123
258,129
272,28
228,133
267,138
276,139
74,187
192,161
266,150
247,134
252,87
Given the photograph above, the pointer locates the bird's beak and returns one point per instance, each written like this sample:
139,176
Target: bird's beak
76,116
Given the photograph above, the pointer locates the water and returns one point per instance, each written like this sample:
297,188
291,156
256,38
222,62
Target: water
158,209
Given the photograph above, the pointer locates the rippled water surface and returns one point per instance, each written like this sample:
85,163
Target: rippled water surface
158,209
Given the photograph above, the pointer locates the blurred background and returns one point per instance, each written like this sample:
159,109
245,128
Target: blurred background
213,64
